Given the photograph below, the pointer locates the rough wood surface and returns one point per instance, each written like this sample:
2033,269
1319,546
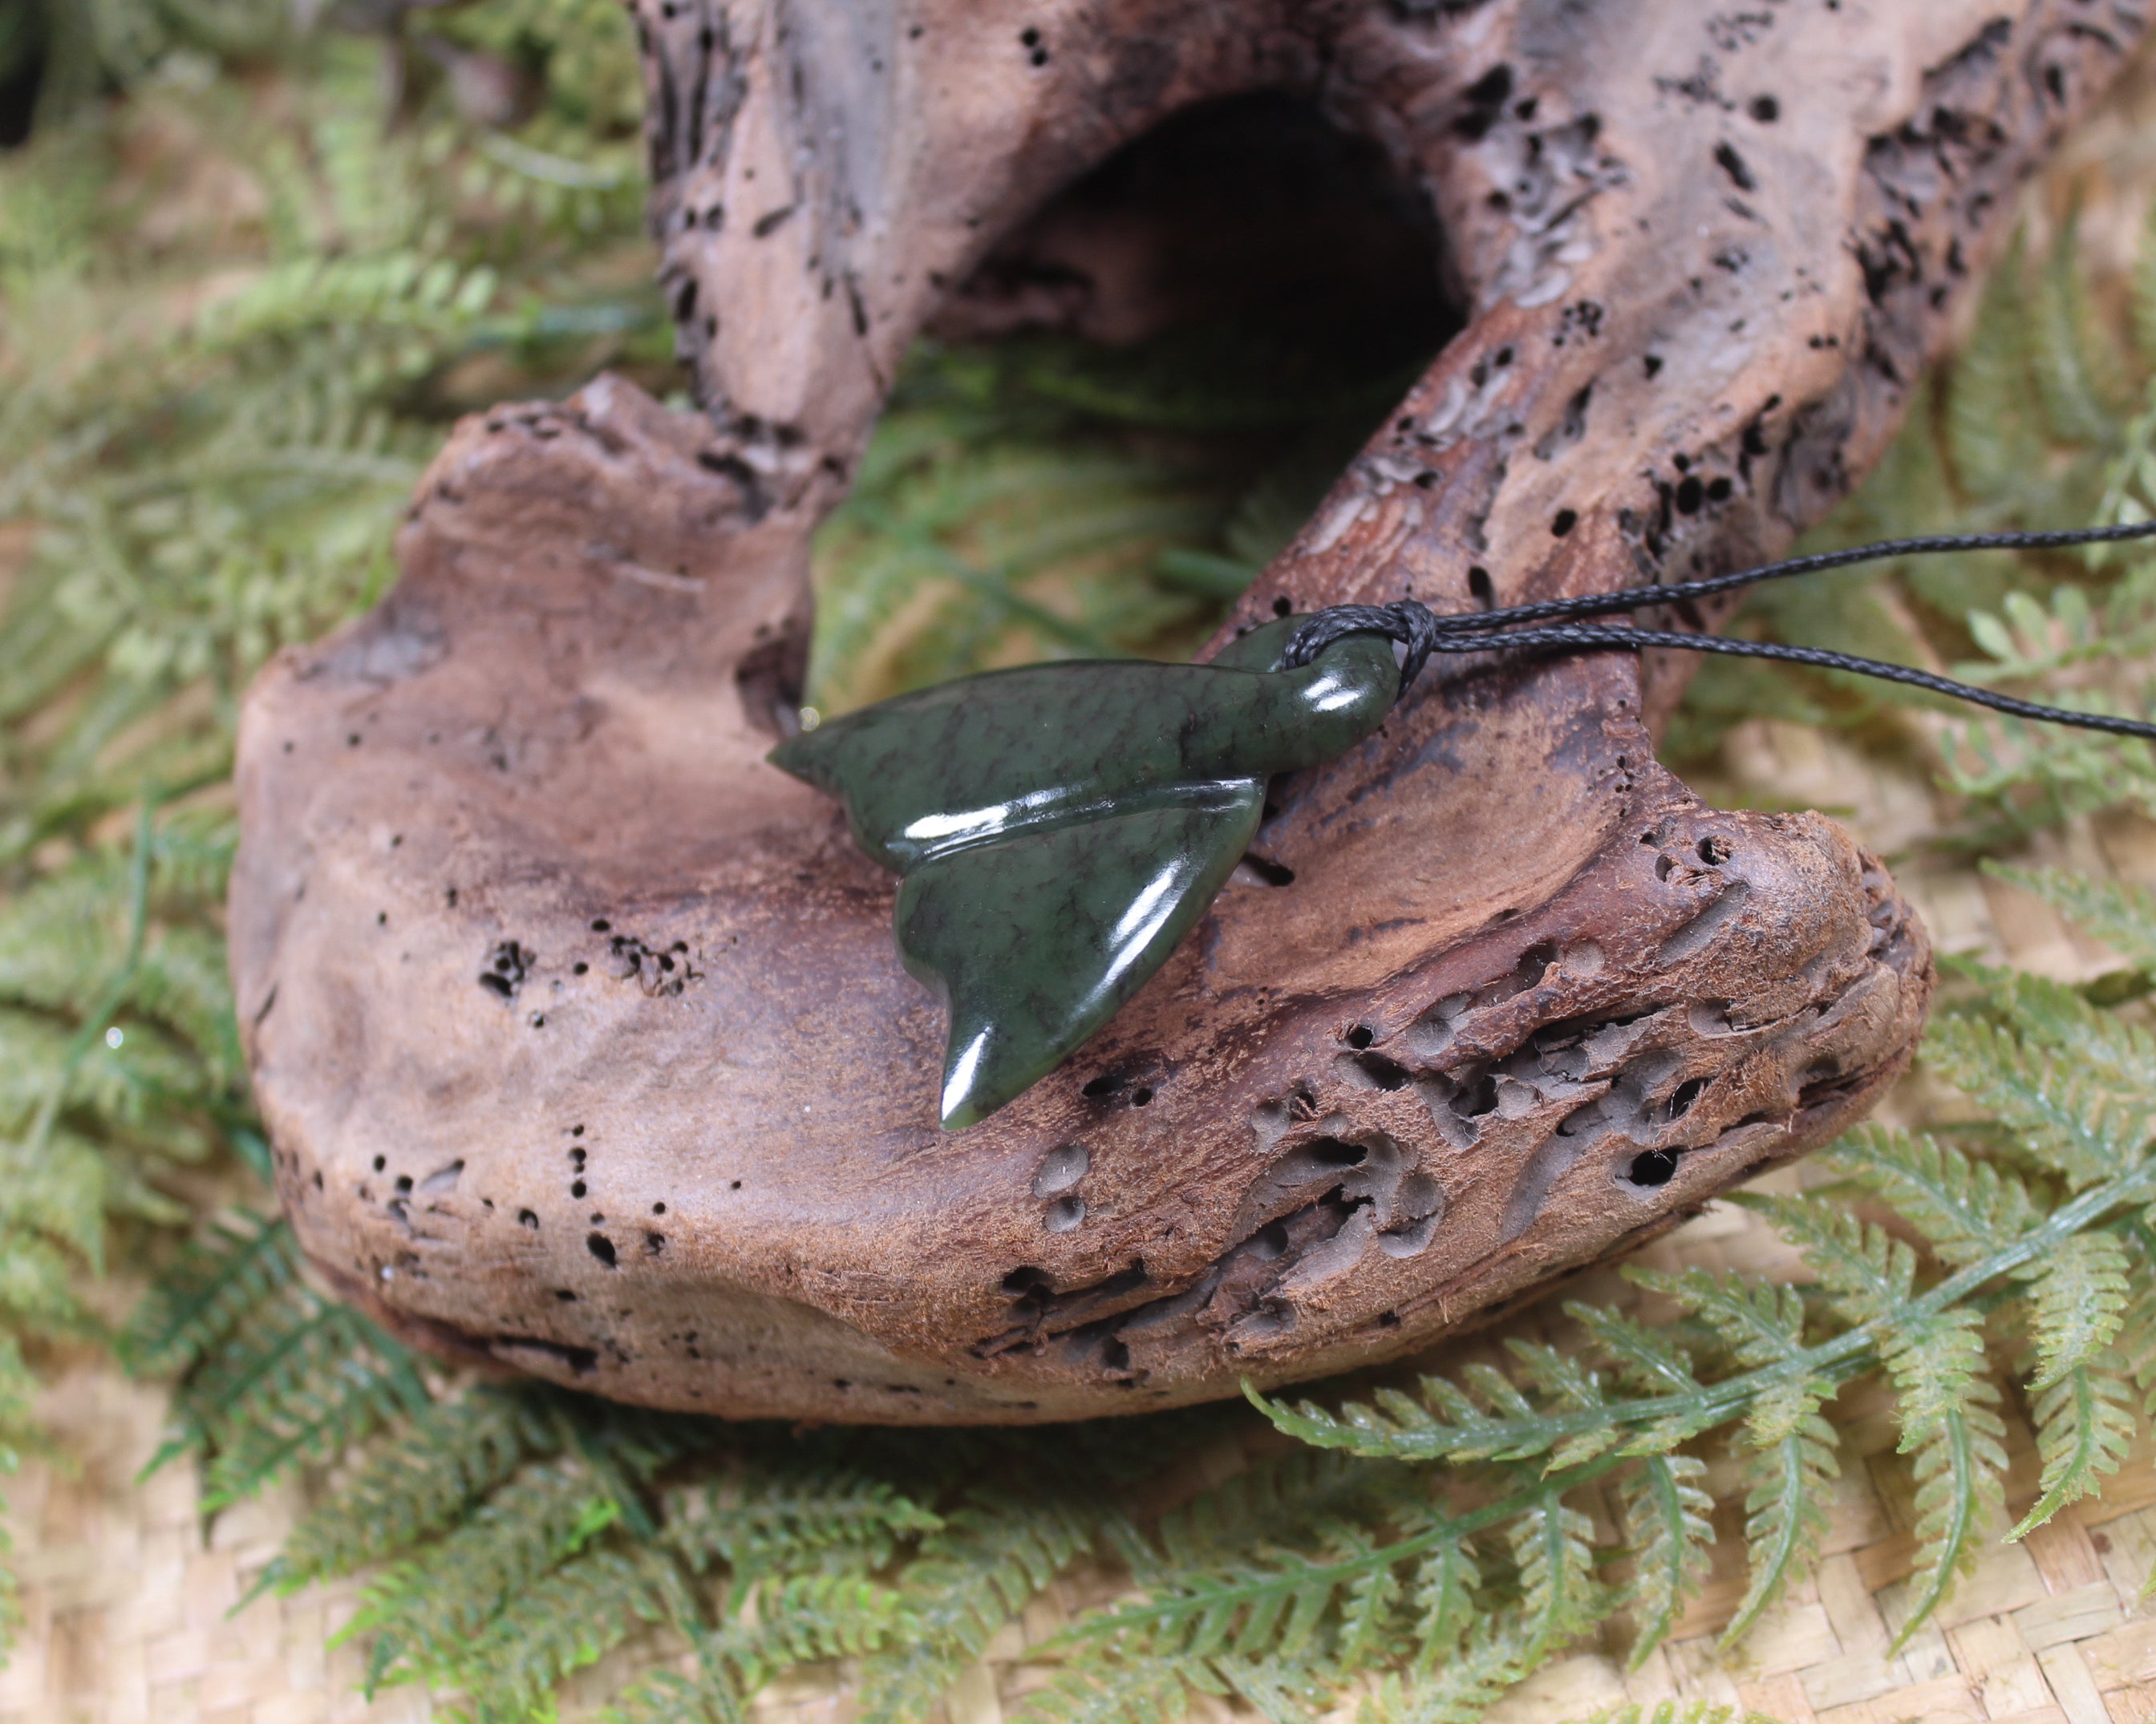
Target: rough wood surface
579,1030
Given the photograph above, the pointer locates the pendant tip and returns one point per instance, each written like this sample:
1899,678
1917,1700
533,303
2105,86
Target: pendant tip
962,1103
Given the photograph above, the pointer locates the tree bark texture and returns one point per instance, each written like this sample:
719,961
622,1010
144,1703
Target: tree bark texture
578,1028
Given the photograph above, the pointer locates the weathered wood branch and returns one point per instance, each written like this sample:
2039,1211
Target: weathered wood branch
579,1029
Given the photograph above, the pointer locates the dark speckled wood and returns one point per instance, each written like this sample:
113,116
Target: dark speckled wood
1057,829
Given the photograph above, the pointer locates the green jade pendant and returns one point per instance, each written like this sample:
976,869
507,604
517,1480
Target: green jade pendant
1057,829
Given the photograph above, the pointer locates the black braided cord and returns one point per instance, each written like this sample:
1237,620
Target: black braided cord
1591,637
1421,632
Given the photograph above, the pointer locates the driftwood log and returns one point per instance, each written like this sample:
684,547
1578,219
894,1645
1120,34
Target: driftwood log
579,1029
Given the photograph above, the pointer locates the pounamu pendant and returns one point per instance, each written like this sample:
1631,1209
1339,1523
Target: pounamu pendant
1058,828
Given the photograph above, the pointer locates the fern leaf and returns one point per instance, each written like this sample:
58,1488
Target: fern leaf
1989,436
1279,1500
2105,1050
1445,1586
670,1697
423,1611
1559,1597
1491,1418
568,1620
809,1617
1500,1652
2072,364
2073,1124
2077,1300
2085,1428
1109,1689
2136,1346
1669,1516
433,1466
341,1384
1866,1270
1367,1605
1951,1426
1280,1694
972,1575
1762,1322
1564,1382
1650,1363
800,1620
1787,1475
1966,1208
1677,1711
765,1518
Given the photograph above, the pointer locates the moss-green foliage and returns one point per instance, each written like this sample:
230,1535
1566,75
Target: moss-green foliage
236,310
241,300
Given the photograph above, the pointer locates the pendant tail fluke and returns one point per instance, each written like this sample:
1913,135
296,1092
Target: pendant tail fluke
1037,941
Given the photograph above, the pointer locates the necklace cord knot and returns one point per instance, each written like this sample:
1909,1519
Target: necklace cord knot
1409,622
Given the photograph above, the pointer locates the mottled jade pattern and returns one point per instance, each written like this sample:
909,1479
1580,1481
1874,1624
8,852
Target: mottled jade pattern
1058,828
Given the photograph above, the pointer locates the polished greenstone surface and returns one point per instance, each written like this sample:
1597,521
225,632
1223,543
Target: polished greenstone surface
1059,828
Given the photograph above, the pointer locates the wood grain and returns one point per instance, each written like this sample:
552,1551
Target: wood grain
578,1028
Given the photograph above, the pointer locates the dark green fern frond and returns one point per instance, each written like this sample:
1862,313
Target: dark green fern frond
1761,1323
808,1619
1561,1408
2065,773
1552,1549
1559,1600
419,1482
1565,1383
668,1696
1995,445
2136,1348
1493,1658
424,1611
1445,1583
1678,1711
2081,1397
1274,1500
238,1266
761,1518
311,1388
1935,1357
1867,1272
1113,1690
565,1619
1485,1416
2079,366
2114,1056
973,1574
1320,1600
